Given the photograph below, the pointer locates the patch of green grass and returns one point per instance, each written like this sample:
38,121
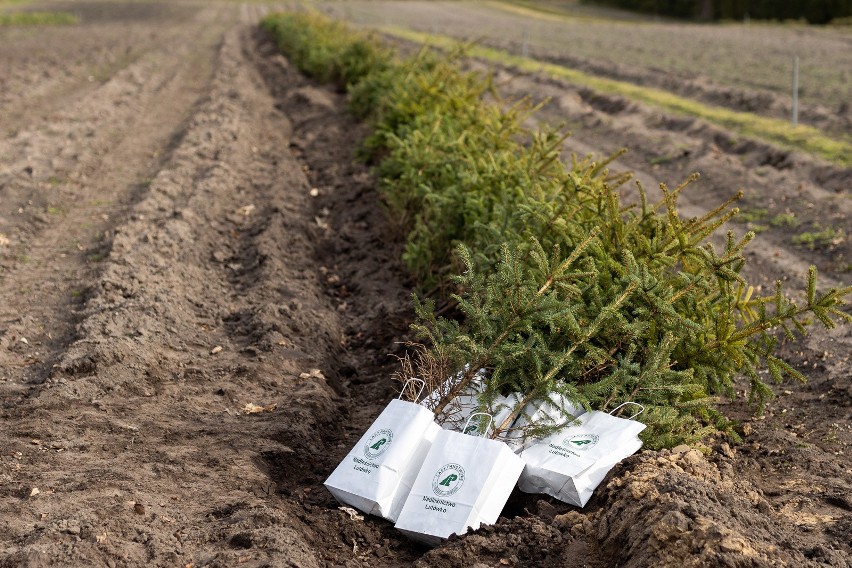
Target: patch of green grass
567,11
37,19
784,220
752,219
777,131
751,215
100,203
820,238
531,10
102,73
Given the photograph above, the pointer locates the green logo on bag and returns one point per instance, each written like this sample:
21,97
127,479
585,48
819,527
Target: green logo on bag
448,480
581,441
378,443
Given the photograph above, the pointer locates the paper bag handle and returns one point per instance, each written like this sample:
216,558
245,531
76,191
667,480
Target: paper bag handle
419,392
490,422
641,409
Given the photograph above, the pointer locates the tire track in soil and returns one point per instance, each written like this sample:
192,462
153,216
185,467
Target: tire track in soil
66,184
40,80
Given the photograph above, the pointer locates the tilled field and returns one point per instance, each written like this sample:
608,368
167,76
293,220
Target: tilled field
200,299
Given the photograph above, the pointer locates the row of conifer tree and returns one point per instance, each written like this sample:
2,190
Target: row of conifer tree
555,277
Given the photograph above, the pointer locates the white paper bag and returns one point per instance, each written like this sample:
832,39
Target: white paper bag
456,414
571,463
500,409
377,474
464,481
549,411
458,410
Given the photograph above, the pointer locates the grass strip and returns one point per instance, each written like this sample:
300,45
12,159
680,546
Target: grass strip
802,137
541,12
37,19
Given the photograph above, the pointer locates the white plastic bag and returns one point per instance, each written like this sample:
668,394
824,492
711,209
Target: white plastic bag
377,474
571,463
465,481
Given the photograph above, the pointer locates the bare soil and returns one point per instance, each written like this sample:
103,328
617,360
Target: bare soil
200,300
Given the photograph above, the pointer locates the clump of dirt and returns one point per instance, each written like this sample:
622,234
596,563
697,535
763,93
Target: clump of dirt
522,541
680,509
667,508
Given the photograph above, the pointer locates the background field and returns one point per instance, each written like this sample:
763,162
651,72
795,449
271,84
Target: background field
747,67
